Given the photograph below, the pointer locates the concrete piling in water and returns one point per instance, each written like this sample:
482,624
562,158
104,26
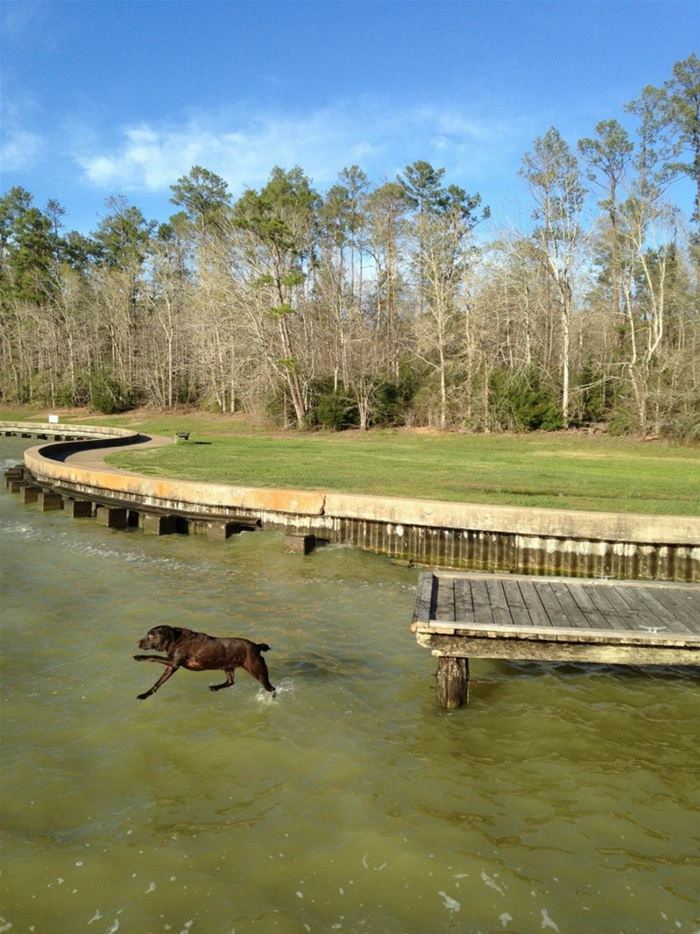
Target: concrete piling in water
78,508
156,524
299,544
219,531
28,493
49,501
112,517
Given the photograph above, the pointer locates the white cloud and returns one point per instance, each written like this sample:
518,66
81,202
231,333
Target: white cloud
379,138
20,150
20,147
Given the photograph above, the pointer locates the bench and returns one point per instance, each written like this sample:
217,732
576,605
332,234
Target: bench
182,436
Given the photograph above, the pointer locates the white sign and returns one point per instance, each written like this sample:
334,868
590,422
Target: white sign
53,419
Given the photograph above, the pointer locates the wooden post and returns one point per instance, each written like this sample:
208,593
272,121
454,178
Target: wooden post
452,681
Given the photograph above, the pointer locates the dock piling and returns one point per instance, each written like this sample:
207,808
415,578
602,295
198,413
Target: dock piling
299,544
113,518
157,524
452,679
48,500
28,493
77,508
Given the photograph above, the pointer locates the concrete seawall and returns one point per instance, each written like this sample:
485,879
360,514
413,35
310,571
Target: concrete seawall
440,534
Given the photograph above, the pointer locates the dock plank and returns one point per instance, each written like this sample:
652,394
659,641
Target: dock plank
603,611
551,604
499,603
624,616
424,593
516,603
583,599
481,601
680,603
536,611
569,606
464,605
664,614
445,608
643,614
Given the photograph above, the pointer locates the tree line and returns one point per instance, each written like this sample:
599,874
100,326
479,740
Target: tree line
376,304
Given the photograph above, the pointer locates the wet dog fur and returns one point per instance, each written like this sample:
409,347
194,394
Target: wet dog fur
197,651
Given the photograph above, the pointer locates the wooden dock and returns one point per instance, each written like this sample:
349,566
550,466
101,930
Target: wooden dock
461,615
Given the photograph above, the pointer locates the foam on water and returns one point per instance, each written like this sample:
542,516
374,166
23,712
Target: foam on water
491,883
547,921
451,904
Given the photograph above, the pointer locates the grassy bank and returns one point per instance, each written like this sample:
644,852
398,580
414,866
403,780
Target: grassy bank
565,471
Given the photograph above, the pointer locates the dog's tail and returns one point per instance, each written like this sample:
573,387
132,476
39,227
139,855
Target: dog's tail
262,647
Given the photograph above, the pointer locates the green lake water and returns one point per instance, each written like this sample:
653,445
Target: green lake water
564,798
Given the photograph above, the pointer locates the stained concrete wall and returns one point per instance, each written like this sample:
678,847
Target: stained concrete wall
458,535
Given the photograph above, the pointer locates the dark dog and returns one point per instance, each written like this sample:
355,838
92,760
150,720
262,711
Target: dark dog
196,651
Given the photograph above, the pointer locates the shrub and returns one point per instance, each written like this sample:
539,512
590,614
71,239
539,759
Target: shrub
523,401
333,410
108,395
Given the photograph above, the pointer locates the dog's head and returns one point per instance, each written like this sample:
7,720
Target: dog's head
160,638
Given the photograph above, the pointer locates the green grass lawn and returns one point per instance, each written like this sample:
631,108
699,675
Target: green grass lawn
557,470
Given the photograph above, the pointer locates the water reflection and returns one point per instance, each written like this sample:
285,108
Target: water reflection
565,797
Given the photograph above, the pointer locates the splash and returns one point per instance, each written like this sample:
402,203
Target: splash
285,686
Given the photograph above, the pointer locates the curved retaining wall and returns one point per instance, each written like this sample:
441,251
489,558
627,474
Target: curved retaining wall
59,432
457,535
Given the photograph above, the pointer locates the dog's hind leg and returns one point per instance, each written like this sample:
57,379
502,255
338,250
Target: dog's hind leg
228,683
168,673
258,669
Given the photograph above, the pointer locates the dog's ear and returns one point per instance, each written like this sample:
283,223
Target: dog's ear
171,635
165,636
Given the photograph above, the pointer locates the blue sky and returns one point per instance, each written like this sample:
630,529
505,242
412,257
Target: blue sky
122,98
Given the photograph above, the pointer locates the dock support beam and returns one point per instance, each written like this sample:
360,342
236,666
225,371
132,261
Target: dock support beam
299,544
219,531
157,524
48,500
113,518
77,508
28,494
452,682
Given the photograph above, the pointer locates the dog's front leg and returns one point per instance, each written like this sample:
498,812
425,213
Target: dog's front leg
152,658
168,673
